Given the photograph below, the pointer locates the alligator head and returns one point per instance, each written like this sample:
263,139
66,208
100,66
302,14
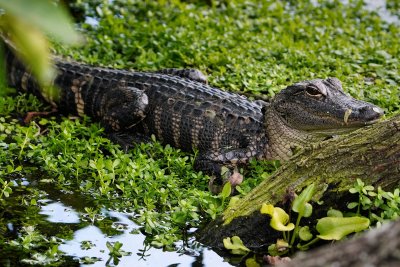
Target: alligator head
314,109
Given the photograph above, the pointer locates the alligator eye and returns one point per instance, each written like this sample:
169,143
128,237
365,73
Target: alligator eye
314,92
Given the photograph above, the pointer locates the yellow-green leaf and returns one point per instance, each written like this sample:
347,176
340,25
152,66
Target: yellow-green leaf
279,218
334,213
235,245
335,228
251,262
226,190
305,233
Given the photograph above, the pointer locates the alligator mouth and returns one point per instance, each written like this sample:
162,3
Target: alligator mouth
343,128
372,121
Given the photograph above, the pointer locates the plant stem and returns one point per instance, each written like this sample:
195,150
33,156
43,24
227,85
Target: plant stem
296,228
308,244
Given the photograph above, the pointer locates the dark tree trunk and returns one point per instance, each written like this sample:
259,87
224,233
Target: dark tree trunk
378,247
371,154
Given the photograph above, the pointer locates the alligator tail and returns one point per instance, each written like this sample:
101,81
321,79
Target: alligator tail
18,75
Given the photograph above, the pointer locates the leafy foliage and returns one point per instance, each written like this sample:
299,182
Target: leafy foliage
377,204
333,227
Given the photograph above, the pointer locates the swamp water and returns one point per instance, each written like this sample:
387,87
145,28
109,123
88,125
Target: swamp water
61,211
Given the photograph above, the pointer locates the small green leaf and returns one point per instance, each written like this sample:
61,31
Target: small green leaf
235,245
305,233
299,203
353,190
251,262
335,228
307,210
352,205
226,190
335,213
279,218
272,250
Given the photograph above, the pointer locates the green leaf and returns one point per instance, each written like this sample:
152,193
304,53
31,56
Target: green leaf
335,228
307,210
352,205
272,250
226,190
300,202
305,233
279,218
235,245
251,262
353,190
334,213
44,15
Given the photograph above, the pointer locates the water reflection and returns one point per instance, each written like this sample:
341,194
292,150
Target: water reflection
380,7
195,255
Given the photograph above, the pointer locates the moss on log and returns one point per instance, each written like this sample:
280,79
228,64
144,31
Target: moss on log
371,154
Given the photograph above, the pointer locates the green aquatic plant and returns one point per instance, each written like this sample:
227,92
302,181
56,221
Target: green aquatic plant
333,227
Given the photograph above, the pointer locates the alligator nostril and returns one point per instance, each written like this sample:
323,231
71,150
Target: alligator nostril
371,112
378,110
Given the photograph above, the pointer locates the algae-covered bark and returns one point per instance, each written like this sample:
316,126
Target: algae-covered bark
371,154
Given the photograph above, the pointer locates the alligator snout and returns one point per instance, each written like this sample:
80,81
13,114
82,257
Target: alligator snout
369,114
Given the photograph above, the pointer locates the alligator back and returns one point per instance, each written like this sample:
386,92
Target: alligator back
190,114
179,111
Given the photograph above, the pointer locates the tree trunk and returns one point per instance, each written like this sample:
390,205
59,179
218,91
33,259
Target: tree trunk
371,154
378,247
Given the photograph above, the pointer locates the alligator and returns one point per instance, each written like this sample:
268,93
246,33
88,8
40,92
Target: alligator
179,108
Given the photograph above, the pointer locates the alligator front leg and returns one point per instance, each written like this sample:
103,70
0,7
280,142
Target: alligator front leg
191,74
120,111
213,163
122,108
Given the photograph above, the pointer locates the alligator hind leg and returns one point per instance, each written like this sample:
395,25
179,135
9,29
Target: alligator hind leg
191,74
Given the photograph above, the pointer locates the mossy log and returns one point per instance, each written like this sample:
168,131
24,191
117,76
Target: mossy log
371,154
377,247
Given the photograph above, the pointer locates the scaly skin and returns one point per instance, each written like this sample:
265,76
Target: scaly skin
180,109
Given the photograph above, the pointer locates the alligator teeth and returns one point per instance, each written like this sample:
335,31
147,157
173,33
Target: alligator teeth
347,115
